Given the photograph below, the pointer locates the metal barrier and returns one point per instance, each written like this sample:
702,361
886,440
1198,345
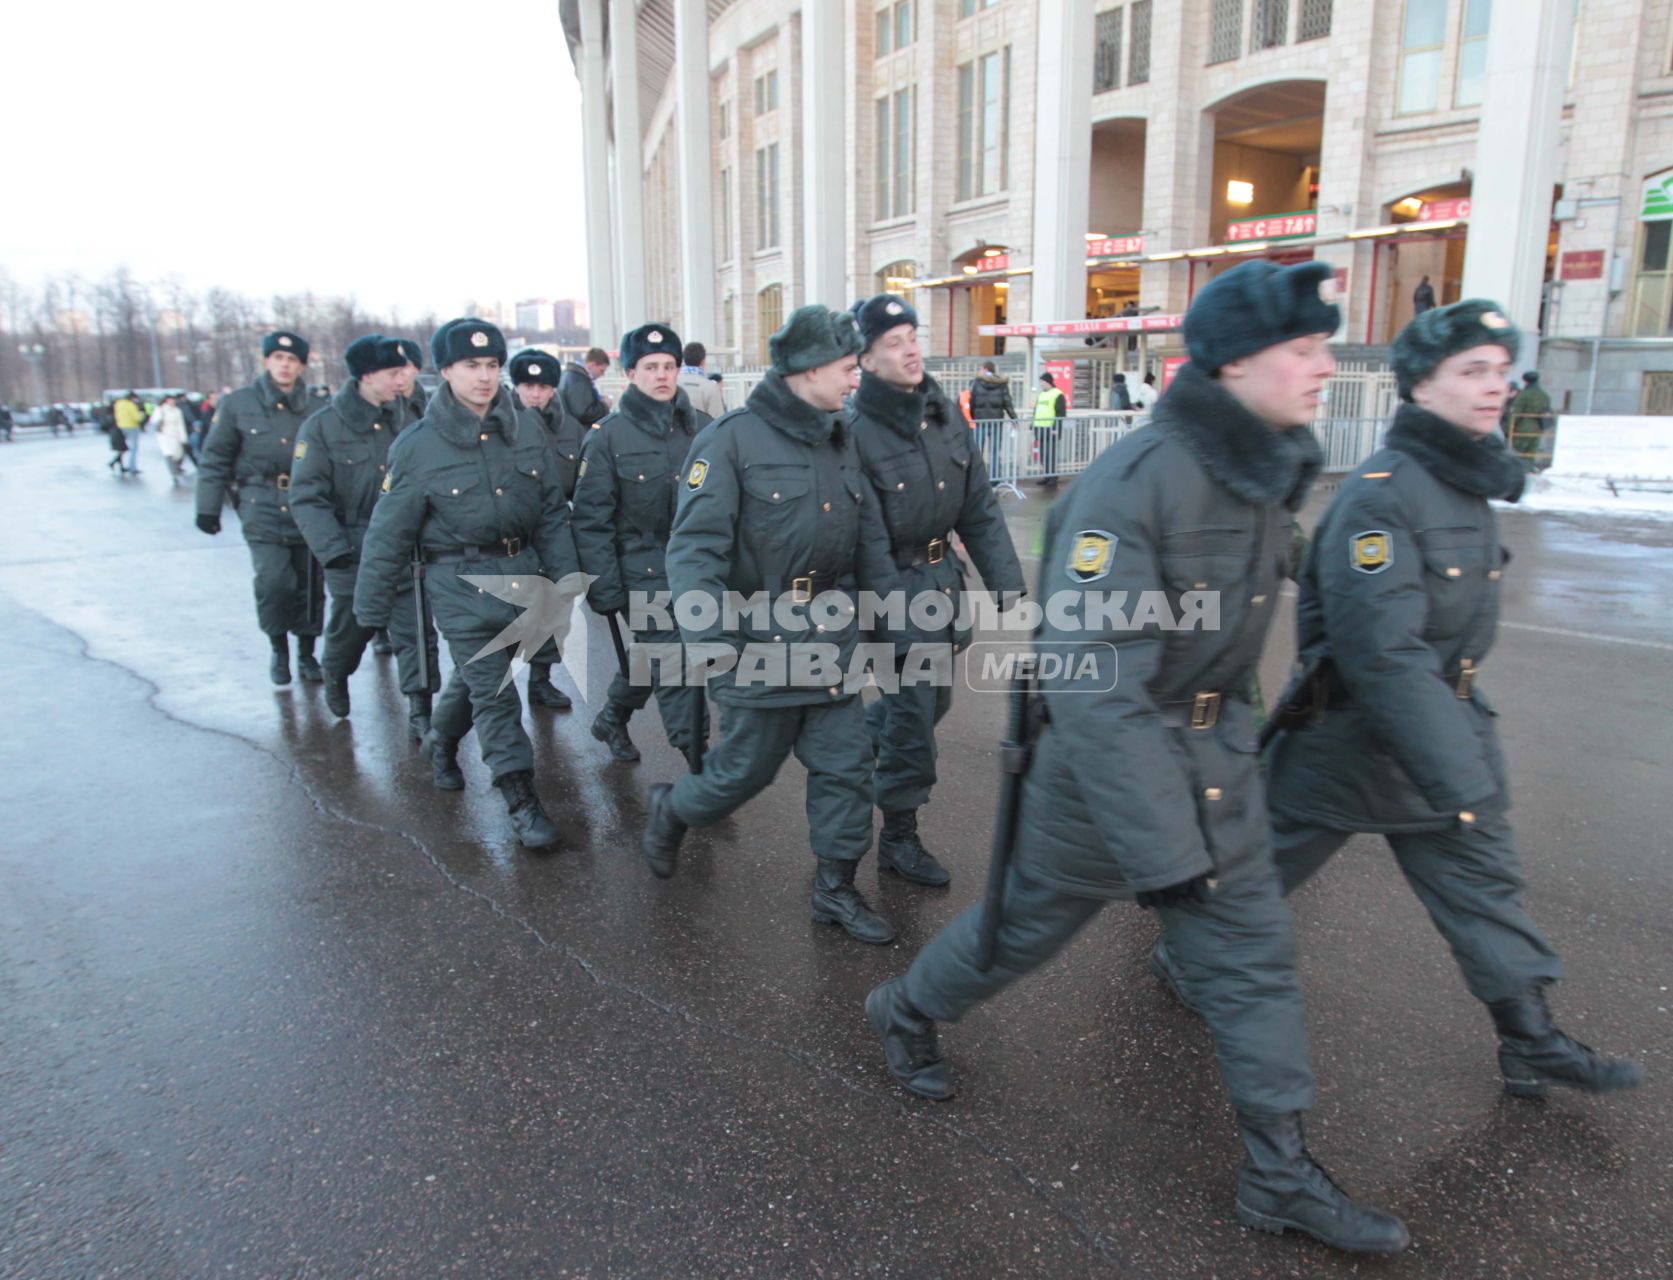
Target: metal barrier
1017,450
1347,442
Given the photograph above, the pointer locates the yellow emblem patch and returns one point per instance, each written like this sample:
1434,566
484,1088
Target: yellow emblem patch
1371,551
699,473
388,479
1090,555
301,450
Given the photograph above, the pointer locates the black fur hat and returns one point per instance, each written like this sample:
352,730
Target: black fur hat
650,340
465,339
293,344
814,335
372,353
531,364
413,352
1257,305
876,316
1445,331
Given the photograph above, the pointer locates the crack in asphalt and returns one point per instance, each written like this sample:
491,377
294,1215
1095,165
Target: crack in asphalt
1088,1236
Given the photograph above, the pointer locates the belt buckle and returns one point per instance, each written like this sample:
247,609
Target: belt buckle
281,482
801,589
937,550
1467,672
513,546
1205,710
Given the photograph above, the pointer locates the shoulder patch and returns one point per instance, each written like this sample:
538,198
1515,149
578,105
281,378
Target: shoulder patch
388,479
699,473
301,450
1090,554
1371,551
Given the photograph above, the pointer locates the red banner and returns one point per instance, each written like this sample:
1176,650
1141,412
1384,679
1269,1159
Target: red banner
1444,210
1279,226
1171,366
1068,328
1581,264
1063,374
1120,246
999,262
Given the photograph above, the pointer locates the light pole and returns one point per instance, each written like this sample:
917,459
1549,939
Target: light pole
185,362
34,353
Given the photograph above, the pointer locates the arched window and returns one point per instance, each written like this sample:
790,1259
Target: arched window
894,277
769,316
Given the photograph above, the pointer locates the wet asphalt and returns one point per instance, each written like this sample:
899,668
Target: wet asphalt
270,1005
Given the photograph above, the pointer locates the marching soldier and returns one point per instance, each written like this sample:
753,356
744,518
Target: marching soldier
1399,603
774,502
930,482
1144,781
412,393
534,377
251,444
342,457
624,509
472,486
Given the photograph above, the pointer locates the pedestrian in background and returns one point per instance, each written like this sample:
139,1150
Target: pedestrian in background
1050,408
705,395
130,417
171,437
1423,297
578,391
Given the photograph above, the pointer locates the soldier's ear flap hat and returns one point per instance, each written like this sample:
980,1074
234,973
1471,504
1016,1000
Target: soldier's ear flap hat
413,352
372,353
1257,305
466,339
531,364
650,340
292,344
814,335
876,316
1436,335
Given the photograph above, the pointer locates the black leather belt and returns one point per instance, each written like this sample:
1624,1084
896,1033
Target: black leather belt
504,549
281,482
1201,711
804,587
911,558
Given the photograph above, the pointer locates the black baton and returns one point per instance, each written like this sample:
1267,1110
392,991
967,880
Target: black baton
316,591
1013,763
699,724
420,628
621,645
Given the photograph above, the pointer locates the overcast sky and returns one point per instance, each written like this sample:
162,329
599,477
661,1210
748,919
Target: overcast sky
411,153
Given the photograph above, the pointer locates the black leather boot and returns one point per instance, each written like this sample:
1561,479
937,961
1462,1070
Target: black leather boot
899,850
337,694
278,670
381,645
542,692
534,829
1162,967
1534,1054
610,728
307,666
418,716
837,901
443,755
908,1042
663,833
1280,1187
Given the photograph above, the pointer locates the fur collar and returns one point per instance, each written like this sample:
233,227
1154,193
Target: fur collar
903,412
459,426
782,409
1257,462
1483,465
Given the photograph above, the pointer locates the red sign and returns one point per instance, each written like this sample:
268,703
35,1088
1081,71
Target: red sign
1171,366
1280,226
1110,324
1581,264
1119,247
999,262
1063,374
1444,210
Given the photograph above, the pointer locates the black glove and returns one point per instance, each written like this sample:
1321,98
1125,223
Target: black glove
1193,890
340,562
209,524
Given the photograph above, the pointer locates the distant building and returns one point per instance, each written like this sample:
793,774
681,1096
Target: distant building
535,315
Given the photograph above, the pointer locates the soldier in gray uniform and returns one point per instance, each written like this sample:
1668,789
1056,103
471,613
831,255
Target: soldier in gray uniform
931,482
774,502
1399,604
534,377
413,397
473,486
337,478
624,509
250,447
1144,783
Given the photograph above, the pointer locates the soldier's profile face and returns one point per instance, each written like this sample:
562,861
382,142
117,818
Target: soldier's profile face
830,384
1281,384
656,376
896,357
474,381
382,385
1468,389
535,395
284,368
407,379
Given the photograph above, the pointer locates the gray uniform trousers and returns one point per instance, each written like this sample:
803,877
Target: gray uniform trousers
677,703
1235,954
346,639
902,726
281,585
828,738
1470,881
472,698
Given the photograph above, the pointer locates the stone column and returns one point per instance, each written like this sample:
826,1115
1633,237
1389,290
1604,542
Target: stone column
595,152
630,163
1178,163
823,153
697,266
1062,159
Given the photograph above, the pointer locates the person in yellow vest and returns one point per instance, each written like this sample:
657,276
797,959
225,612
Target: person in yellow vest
130,417
1049,409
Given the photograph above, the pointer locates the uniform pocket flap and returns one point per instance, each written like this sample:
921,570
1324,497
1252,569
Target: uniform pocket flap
776,489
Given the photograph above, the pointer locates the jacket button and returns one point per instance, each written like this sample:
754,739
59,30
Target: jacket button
642,476
777,639
1213,793
1454,572
284,508
775,496
455,493
1466,817
901,485
648,569
499,493
1493,575
923,426
833,691
483,436
940,484
1197,586
283,440
827,506
820,627
381,467
1257,600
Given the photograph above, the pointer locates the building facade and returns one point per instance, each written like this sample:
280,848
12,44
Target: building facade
1008,161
